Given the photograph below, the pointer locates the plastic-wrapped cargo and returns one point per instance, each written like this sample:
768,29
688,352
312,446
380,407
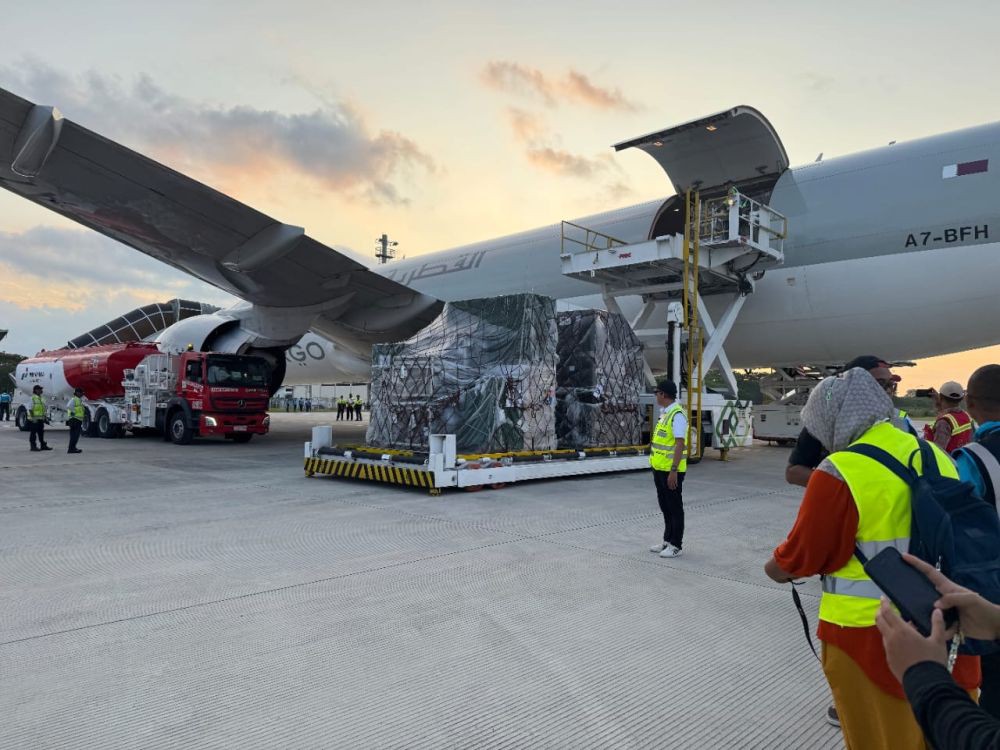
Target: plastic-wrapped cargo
598,380
484,370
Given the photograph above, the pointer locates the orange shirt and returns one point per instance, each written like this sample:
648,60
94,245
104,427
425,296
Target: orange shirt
822,541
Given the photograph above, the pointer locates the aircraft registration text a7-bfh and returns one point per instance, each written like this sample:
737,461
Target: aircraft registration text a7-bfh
867,234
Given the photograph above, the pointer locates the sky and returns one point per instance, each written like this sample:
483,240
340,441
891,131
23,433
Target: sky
445,122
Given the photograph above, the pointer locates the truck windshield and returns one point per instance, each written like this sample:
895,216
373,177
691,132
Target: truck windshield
238,372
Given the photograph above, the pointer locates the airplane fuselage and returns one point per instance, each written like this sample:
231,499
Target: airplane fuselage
885,253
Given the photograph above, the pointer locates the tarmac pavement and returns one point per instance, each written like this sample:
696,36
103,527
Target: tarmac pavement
211,596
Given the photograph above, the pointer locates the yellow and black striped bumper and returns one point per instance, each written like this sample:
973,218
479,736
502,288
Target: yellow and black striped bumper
370,472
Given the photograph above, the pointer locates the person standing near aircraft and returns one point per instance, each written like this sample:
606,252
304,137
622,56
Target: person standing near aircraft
341,405
4,406
953,427
358,403
808,451
37,416
667,449
74,419
853,500
979,464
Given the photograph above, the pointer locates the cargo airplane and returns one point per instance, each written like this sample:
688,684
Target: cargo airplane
869,234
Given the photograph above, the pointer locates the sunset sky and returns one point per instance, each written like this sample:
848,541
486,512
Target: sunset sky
447,122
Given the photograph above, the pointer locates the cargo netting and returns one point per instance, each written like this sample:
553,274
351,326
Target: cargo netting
598,380
484,370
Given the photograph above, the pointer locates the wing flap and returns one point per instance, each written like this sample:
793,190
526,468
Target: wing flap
190,226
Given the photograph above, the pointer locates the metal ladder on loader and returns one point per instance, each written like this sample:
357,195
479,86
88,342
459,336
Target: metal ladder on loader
728,242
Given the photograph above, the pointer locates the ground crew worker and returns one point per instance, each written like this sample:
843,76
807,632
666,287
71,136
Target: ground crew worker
4,406
74,419
358,403
667,457
953,427
341,406
37,414
853,500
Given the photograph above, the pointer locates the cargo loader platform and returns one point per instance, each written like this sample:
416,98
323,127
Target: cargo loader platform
442,467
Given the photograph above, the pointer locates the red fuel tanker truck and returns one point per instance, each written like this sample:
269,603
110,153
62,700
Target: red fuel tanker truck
135,387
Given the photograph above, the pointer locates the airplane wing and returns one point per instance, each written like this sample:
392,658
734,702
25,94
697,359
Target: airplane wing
175,219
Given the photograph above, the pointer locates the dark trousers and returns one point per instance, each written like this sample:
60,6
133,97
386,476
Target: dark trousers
340,411
357,410
75,426
5,412
672,507
989,698
36,429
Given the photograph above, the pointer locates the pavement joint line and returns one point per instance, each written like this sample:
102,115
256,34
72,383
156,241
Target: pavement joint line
251,594
543,537
647,561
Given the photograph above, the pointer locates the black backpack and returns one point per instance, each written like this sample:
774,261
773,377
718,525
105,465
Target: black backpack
952,527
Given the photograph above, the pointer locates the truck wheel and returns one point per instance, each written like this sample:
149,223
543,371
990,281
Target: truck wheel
21,419
178,430
88,428
103,427
242,437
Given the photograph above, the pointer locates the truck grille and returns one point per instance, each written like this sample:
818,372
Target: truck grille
237,403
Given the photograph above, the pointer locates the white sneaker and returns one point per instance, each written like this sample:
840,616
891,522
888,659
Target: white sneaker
670,550
658,547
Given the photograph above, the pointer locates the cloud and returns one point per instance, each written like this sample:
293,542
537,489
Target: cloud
69,271
333,145
577,86
574,87
563,162
542,150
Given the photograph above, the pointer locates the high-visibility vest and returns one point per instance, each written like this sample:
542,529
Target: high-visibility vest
76,409
661,446
850,598
359,402
962,428
38,410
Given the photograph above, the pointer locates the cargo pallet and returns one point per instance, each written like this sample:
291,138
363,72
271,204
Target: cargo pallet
442,467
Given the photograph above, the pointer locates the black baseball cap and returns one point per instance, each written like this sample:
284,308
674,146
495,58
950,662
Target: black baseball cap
667,388
869,362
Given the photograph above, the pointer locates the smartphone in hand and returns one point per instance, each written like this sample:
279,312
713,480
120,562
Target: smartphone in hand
909,589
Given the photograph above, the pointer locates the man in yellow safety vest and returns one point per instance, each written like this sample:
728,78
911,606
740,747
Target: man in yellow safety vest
853,501
74,419
667,457
37,415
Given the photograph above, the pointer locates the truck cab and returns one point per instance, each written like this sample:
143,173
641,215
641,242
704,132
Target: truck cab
223,395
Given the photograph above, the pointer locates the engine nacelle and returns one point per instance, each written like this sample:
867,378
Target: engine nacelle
238,330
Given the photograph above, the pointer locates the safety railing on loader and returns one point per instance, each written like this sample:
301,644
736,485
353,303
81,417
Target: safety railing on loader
579,239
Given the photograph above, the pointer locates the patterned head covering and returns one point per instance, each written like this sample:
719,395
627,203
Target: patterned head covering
841,409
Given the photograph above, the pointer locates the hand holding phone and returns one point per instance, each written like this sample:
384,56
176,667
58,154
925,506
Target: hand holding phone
909,589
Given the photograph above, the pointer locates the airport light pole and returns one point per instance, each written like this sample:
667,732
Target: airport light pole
385,249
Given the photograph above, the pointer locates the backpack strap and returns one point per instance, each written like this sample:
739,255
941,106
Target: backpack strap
928,460
989,461
887,460
890,462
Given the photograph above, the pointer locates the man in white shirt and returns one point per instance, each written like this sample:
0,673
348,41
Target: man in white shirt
668,459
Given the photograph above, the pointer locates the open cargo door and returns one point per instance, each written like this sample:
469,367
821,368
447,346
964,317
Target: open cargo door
737,145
